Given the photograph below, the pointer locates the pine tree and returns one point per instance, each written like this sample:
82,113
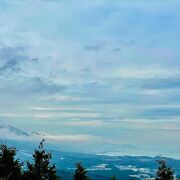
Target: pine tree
80,173
164,172
113,178
41,169
10,168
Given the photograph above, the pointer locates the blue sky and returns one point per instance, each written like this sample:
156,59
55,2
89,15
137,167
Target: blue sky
94,73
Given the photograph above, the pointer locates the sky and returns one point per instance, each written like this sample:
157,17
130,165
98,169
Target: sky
95,76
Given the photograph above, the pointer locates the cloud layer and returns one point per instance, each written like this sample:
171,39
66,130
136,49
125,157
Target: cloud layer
108,69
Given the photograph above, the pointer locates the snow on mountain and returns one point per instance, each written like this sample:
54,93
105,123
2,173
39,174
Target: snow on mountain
7,129
39,134
100,167
134,169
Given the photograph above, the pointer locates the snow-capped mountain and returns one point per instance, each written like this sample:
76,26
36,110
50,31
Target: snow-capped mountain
12,130
39,134
100,167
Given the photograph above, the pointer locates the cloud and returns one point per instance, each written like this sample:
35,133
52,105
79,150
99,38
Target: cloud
60,108
17,73
90,123
9,132
10,66
65,137
167,124
9,115
51,116
92,48
12,58
39,85
93,61
65,115
64,112
30,85
162,83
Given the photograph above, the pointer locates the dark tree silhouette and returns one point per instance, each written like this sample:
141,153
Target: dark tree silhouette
41,169
113,178
164,172
80,172
10,168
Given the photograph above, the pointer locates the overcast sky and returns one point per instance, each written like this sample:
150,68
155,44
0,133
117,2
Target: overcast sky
94,72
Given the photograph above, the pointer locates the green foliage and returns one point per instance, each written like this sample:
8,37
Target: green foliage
10,168
113,178
41,169
80,173
164,172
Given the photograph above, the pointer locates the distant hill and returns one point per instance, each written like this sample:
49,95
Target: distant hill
100,167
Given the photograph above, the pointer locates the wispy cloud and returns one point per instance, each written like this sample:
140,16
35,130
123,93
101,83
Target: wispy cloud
9,115
94,123
60,108
65,115
67,137
107,68
8,132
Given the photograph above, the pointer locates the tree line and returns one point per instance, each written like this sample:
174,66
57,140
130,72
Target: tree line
41,168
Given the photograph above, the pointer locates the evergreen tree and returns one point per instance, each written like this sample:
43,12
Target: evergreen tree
80,173
41,169
113,178
10,168
164,172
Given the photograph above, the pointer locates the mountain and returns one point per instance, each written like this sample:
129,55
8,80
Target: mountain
39,134
100,167
11,129
103,167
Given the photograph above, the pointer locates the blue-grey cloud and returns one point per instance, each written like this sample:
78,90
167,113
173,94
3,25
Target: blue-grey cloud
11,59
93,47
38,85
11,66
32,85
162,83
118,58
